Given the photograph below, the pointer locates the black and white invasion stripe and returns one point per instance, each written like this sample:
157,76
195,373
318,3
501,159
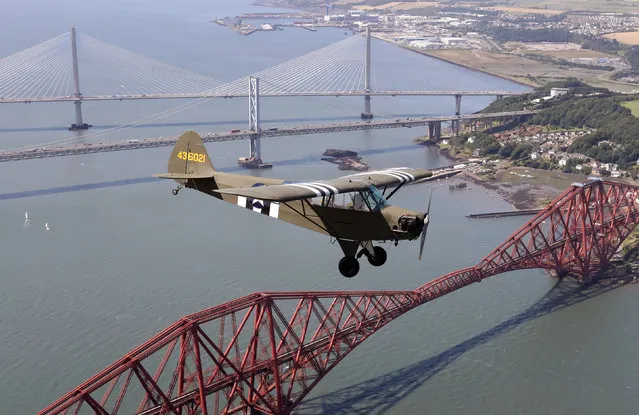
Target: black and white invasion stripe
320,189
396,173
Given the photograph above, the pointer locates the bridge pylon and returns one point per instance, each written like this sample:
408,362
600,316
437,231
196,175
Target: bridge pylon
79,123
254,160
367,114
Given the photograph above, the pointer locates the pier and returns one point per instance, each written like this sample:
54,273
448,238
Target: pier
504,214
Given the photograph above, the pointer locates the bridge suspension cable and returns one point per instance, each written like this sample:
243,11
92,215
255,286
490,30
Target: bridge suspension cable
42,70
336,67
131,73
45,71
105,134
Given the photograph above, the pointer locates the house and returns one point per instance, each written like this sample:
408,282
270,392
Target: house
555,92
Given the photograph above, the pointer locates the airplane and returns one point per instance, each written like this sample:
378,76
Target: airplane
361,216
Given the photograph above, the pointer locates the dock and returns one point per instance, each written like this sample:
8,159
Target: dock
504,214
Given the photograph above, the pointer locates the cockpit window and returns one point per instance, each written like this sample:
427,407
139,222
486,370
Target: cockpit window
370,200
374,198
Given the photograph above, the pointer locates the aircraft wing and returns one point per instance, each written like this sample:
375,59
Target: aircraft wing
390,177
354,182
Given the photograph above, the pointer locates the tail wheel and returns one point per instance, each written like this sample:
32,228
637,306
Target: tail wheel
379,257
348,266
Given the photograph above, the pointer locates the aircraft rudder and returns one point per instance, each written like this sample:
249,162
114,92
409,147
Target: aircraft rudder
189,156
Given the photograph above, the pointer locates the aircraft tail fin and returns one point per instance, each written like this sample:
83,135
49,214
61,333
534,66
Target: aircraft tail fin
189,158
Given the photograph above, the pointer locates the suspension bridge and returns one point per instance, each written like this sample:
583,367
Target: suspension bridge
433,123
263,353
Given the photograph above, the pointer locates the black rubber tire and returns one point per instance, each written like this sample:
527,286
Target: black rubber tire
348,266
175,192
380,256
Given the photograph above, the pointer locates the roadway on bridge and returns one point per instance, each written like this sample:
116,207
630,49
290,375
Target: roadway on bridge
135,144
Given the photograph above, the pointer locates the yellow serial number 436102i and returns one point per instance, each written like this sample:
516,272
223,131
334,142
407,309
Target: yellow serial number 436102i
196,157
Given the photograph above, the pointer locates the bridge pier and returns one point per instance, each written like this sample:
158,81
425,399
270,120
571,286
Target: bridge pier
455,125
79,123
434,130
254,160
367,114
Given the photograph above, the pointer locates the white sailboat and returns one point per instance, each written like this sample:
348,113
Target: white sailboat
26,216
46,226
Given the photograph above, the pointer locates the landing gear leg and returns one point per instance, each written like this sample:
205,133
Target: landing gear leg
376,255
176,190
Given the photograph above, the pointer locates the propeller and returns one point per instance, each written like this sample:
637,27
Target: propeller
425,228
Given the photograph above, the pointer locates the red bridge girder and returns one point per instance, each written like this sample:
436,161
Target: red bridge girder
263,353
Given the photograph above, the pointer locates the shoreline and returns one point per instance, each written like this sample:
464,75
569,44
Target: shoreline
520,196
473,68
425,52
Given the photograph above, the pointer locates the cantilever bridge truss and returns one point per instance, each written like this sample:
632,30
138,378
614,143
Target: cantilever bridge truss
263,353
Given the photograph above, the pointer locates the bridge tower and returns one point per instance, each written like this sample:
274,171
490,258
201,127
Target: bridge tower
367,114
254,160
79,124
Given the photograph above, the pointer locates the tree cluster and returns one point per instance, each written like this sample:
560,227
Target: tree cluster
616,136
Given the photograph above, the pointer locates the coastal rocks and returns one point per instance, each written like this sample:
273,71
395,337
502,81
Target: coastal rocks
345,159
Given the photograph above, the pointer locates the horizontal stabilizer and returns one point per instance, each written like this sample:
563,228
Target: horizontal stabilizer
182,176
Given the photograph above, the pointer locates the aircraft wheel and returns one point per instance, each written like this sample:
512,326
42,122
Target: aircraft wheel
175,192
348,266
379,258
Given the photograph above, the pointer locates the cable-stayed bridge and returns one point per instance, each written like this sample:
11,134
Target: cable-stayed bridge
45,73
52,70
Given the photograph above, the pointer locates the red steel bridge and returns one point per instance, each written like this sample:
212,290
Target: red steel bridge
263,353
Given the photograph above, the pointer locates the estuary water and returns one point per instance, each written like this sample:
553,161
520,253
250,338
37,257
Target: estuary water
123,258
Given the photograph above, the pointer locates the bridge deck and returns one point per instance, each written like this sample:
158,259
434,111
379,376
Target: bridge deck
222,94
135,144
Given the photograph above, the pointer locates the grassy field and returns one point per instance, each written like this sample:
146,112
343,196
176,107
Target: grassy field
582,53
513,67
592,5
629,38
547,7
393,5
526,10
633,106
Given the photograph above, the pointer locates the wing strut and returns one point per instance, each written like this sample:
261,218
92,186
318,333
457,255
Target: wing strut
394,190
